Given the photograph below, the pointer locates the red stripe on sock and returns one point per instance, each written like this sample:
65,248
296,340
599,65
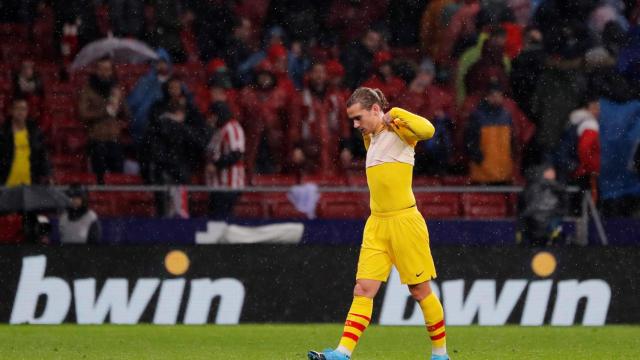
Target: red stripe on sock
435,326
354,324
351,336
438,337
362,316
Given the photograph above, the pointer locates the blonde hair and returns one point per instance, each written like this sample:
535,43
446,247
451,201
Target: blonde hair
367,97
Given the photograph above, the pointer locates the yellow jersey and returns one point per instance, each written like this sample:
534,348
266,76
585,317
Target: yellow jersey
20,173
390,160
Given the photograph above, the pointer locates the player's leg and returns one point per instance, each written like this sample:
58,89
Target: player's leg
358,319
374,266
359,315
433,317
413,259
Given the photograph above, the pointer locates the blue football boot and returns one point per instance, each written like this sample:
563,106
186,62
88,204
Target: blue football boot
327,354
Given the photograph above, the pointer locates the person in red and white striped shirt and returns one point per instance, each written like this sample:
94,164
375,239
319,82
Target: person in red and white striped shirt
225,160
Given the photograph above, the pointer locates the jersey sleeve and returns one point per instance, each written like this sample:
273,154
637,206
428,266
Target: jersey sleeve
418,127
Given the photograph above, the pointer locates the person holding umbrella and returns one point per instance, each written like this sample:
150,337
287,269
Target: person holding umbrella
102,109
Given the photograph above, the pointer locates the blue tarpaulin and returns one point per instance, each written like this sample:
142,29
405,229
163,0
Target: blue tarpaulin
121,231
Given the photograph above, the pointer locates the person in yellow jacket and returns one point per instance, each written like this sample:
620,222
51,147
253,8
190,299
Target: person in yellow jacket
395,233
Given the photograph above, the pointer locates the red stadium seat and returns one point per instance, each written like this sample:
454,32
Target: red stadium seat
344,206
137,204
61,89
274,180
13,51
426,181
282,208
11,226
122,179
356,180
438,205
13,32
324,180
63,178
453,180
251,206
68,141
114,204
198,204
103,203
485,206
69,163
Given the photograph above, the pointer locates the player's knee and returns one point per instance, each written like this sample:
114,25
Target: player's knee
420,291
363,290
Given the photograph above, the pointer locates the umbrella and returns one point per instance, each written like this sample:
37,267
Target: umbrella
120,50
32,198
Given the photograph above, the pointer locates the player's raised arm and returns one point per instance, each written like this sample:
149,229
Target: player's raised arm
418,125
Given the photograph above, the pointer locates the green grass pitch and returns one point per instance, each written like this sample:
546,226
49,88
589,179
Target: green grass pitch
280,342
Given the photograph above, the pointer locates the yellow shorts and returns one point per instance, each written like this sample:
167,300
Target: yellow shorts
397,238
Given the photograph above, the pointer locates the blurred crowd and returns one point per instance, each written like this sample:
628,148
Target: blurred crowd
255,87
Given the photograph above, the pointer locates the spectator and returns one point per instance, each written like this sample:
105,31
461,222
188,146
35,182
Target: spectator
558,92
298,64
353,19
600,63
213,21
225,160
490,67
541,207
23,156
42,31
162,29
435,102
578,153
403,20
146,92
263,114
219,87
460,31
103,112
75,25
127,17
277,55
493,37
79,224
527,68
318,126
383,77
358,58
238,52
27,84
489,137
174,140
299,19
335,74
433,26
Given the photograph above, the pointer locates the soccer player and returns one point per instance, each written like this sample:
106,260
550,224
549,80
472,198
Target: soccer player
395,233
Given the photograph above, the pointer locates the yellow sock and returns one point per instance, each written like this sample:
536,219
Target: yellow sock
358,319
434,318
